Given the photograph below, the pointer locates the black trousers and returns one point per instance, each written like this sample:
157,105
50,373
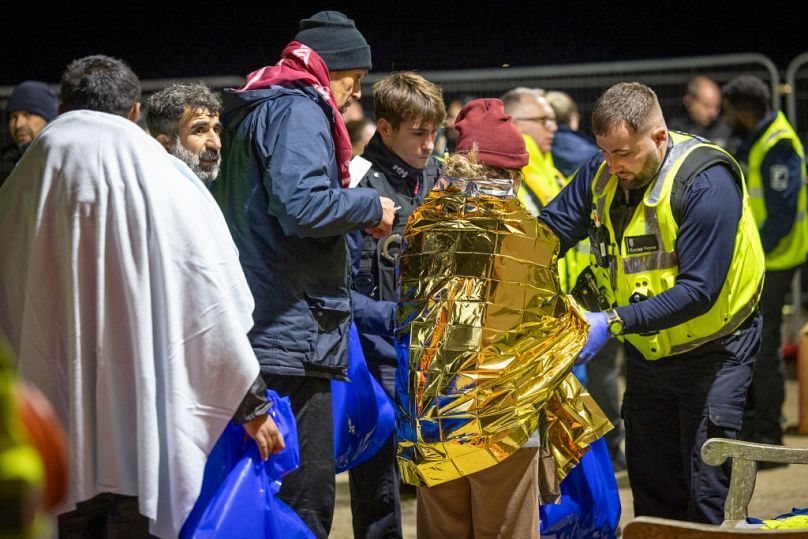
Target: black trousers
310,490
764,402
671,407
375,496
106,515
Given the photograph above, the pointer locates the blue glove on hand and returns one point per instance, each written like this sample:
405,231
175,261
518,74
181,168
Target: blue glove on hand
598,336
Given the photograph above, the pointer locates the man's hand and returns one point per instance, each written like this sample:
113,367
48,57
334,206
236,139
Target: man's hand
265,432
386,224
598,335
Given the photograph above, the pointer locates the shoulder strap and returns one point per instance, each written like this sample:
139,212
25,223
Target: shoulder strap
699,160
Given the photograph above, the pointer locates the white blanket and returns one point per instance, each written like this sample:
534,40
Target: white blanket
122,295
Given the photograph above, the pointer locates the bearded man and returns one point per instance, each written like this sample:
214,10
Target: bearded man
677,256
184,118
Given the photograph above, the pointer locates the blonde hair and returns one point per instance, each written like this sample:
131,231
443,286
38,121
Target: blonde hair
469,167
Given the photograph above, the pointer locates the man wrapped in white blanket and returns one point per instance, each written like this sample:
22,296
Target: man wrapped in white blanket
122,295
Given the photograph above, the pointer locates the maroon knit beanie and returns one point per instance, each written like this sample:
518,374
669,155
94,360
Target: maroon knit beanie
499,143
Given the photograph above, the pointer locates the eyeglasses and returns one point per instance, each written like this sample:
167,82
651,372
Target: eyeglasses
547,121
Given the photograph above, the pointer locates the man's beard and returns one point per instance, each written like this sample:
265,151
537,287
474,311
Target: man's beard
206,174
644,176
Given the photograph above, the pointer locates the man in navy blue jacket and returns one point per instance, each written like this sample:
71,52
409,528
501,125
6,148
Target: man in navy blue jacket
283,190
675,248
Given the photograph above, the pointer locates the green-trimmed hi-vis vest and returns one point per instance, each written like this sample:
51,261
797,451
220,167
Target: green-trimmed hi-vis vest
646,263
541,183
792,249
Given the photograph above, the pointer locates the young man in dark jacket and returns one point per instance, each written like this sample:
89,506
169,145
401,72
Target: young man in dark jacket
408,110
282,189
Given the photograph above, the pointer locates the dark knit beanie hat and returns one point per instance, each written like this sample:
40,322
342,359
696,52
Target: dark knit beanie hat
335,38
499,144
34,97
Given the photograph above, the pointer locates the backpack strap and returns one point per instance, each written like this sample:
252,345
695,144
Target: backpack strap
698,161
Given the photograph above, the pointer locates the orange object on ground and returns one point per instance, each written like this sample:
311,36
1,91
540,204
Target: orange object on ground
802,382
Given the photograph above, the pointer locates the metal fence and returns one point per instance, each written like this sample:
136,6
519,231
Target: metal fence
585,82
796,92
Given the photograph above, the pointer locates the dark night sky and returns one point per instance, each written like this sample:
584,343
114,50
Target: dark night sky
209,39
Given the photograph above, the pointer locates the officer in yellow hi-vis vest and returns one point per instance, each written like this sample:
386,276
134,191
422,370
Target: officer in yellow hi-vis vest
677,256
774,165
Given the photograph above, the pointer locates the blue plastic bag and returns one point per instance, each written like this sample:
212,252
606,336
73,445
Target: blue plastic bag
590,500
363,413
238,497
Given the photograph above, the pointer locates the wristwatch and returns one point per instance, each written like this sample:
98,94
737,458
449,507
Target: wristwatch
614,323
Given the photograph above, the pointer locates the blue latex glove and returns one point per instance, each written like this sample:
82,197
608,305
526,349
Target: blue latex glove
598,336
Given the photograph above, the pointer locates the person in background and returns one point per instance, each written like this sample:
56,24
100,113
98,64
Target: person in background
536,120
702,104
570,149
774,160
184,118
30,107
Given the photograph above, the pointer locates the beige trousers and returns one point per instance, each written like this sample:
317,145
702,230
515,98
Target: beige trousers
501,501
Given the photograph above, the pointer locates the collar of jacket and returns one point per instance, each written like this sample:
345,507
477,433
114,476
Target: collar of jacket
398,173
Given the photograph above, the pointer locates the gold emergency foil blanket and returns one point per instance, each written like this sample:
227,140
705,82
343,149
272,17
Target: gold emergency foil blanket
488,338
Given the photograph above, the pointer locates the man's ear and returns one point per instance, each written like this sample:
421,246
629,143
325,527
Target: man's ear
165,140
384,127
134,112
660,137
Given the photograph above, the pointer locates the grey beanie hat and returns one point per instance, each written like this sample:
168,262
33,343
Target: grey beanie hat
35,97
335,38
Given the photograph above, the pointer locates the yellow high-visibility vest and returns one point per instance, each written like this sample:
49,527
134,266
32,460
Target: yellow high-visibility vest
791,251
646,261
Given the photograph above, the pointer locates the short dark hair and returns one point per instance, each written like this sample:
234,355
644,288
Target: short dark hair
166,107
406,95
629,103
747,92
99,83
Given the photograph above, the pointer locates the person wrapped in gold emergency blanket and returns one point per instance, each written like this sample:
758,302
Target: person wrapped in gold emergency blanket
486,342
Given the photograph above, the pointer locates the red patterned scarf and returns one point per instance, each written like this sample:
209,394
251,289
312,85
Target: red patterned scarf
300,63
